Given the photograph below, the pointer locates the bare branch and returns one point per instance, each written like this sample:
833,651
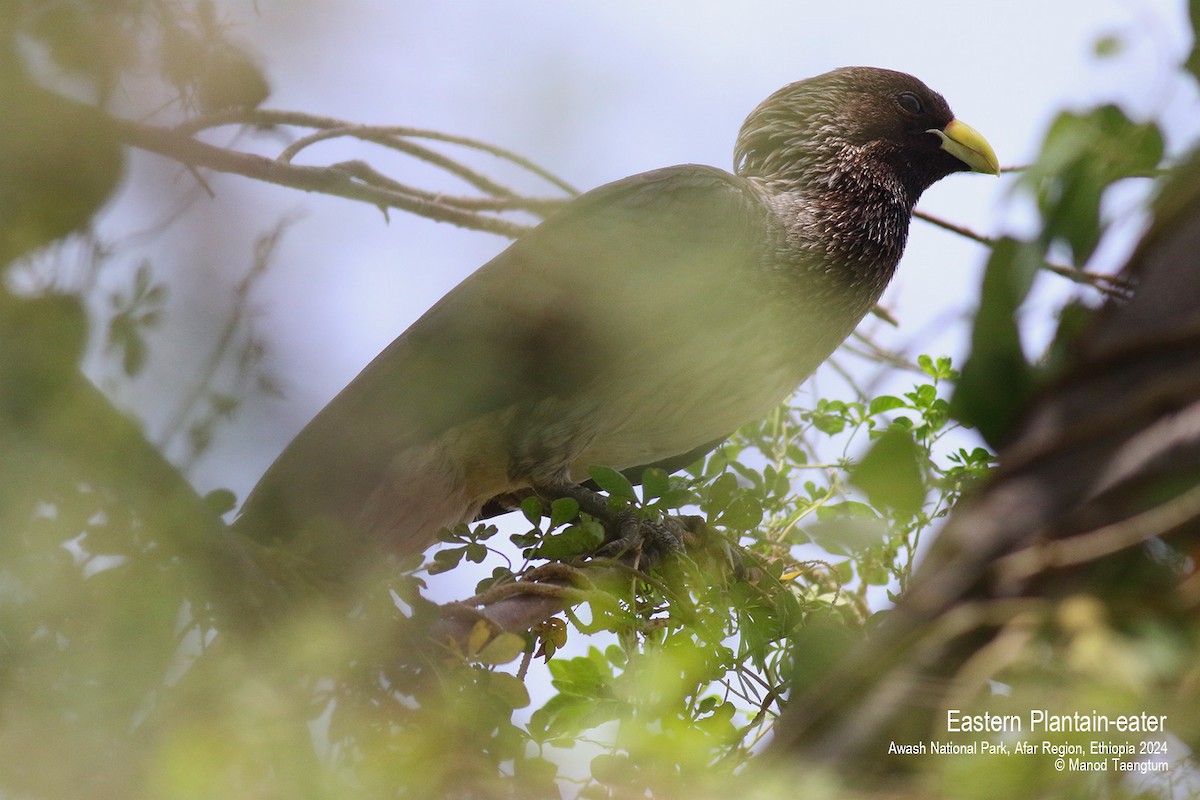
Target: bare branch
1111,285
328,180
262,117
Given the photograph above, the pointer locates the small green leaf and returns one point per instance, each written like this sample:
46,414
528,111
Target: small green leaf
562,511
446,560
925,395
926,365
720,493
655,483
613,482
572,541
591,534
743,514
531,507
1108,46
885,402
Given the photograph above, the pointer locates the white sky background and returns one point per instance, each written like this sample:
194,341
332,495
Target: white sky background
596,91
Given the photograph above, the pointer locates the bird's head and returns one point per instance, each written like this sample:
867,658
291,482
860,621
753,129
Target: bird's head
815,131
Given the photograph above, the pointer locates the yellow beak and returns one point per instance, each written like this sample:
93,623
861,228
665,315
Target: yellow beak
968,145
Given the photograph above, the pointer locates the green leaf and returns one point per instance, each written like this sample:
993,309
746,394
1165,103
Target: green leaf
508,689
563,510
890,474
1108,46
575,540
52,179
743,514
720,493
613,482
1083,154
885,402
848,535
580,676
591,534
926,365
561,546
1192,64
531,507
446,560
655,483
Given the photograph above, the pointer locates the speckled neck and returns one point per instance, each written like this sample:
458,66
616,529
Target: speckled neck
843,229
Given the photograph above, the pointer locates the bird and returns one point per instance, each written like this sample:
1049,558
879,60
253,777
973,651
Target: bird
639,325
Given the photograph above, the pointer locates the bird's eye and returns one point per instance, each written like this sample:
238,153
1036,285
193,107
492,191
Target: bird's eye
910,103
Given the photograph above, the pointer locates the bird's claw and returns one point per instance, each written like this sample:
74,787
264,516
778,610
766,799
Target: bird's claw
651,539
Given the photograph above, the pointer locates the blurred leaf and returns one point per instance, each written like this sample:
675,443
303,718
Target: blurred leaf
1108,46
504,648
1082,155
52,178
1073,320
51,332
613,770
848,535
481,631
220,501
1192,64
230,79
508,689
996,381
890,474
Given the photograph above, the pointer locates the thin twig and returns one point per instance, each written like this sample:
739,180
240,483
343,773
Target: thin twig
264,250
265,117
1112,285
328,180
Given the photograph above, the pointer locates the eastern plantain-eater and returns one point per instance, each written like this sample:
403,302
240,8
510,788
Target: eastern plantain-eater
639,325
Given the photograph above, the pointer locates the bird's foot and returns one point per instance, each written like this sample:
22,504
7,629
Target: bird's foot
650,541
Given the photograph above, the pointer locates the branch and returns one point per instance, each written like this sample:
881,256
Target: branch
268,118
1093,545
1111,285
327,180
